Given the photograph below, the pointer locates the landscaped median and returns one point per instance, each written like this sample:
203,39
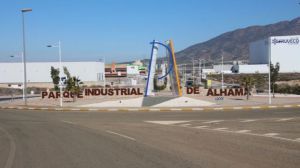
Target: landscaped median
150,109
155,103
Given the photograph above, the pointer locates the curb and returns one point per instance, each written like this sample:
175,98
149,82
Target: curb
150,109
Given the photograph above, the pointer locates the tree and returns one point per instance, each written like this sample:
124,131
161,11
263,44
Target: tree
67,73
260,82
55,78
248,82
274,76
73,84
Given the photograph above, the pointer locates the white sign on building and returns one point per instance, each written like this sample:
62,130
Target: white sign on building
133,70
282,49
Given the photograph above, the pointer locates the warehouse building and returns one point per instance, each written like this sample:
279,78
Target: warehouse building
39,72
282,49
252,69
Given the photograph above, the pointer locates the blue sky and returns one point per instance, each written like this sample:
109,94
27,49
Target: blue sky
121,30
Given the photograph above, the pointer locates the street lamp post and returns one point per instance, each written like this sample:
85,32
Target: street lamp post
24,53
222,72
269,60
60,71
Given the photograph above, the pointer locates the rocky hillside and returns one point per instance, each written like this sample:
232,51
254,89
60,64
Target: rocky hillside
234,45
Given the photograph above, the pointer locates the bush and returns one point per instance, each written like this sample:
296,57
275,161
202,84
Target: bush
288,89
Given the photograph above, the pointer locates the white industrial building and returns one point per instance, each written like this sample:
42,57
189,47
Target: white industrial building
132,70
226,68
282,49
252,69
40,71
241,69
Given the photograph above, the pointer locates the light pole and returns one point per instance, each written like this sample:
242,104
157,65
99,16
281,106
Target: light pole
104,72
200,69
193,72
60,71
222,72
24,53
22,56
270,99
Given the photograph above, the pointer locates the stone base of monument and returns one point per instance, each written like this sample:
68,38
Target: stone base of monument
153,102
184,102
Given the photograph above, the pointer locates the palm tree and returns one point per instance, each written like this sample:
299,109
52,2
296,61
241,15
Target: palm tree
73,84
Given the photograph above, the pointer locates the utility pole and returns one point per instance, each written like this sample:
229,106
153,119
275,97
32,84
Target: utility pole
60,72
270,99
222,72
104,78
184,74
200,74
193,72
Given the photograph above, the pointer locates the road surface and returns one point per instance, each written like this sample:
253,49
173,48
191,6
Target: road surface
250,138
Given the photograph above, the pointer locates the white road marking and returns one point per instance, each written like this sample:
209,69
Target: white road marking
31,108
121,135
175,109
247,132
219,108
248,120
285,119
272,106
271,134
298,105
10,107
287,106
12,150
243,131
133,109
237,108
113,109
255,107
185,125
197,109
220,129
154,109
203,126
44,108
93,109
68,122
20,108
167,122
58,109
75,109
214,121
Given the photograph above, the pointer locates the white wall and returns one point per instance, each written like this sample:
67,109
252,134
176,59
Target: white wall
251,69
286,51
40,71
226,68
282,49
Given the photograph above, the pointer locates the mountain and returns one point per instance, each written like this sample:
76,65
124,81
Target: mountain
234,45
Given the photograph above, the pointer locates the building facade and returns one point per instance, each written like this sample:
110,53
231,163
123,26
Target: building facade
41,71
282,49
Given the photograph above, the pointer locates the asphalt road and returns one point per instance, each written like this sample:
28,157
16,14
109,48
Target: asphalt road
253,138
